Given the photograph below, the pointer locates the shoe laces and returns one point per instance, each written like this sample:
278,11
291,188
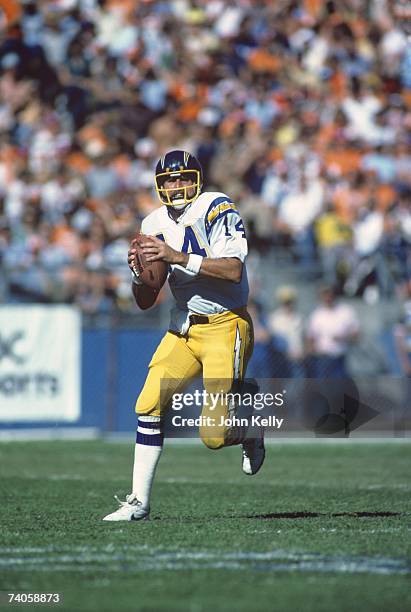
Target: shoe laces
131,500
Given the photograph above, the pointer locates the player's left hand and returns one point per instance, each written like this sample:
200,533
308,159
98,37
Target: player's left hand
156,249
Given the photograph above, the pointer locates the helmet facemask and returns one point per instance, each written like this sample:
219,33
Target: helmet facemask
181,196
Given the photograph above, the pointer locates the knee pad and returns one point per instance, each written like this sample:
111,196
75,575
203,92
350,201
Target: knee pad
147,404
212,442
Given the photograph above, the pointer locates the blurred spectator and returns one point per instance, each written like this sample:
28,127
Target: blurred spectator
296,215
402,336
333,237
361,107
368,234
331,329
286,327
91,294
403,342
261,363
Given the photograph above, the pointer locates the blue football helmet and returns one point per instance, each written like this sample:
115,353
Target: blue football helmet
174,165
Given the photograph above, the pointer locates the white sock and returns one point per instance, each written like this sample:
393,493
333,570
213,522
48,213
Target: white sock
149,444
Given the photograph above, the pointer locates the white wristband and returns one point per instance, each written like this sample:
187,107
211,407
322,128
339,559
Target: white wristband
194,263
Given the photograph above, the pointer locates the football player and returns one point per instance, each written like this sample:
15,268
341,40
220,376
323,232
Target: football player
201,236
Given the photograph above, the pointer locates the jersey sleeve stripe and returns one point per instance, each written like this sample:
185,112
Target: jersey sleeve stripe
220,208
216,202
220,215
217,206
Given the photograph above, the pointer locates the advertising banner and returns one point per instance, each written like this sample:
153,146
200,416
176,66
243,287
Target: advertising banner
39,363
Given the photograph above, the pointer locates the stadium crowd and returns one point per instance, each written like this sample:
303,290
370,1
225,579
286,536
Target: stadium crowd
299,110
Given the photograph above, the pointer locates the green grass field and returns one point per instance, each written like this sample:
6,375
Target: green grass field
291,538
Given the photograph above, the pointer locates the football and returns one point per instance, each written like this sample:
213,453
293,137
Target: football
152,273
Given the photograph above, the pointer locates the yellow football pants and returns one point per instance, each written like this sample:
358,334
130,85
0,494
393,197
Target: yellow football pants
220,350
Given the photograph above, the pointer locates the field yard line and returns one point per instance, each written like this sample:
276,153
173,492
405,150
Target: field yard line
233,481
84,558
400,485
63,477
350,529
305,483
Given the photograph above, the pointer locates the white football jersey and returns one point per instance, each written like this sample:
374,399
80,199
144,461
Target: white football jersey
212,227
